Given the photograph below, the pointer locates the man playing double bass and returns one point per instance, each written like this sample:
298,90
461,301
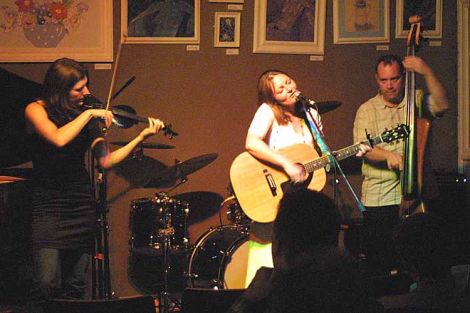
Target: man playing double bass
381,168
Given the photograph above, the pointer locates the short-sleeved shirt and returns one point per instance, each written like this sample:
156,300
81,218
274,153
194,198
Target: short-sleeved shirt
381,186
278,136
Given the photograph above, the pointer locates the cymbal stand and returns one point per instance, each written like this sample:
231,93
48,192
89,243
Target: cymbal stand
101,277
182,179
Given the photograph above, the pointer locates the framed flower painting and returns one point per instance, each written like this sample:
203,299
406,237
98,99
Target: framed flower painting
45,30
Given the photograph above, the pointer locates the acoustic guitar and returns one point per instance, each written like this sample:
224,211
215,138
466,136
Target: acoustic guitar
259,186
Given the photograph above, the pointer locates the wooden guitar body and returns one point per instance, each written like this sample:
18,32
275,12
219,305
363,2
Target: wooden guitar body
259,186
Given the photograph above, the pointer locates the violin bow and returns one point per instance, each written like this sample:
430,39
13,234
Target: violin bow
116,65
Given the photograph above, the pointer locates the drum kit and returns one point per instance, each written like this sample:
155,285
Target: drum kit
162,259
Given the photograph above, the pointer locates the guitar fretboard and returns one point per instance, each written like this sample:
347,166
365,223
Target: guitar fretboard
340,154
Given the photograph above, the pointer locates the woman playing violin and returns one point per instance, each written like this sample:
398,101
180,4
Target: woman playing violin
64,214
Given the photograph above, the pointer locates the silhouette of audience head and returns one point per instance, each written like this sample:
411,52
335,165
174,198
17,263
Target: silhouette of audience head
316,276
422,242
306,221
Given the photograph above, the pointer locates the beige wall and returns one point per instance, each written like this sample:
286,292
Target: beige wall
210,98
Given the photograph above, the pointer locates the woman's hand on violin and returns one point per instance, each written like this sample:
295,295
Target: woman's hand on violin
155,125
105,115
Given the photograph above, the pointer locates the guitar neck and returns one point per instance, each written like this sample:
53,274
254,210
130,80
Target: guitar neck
340,154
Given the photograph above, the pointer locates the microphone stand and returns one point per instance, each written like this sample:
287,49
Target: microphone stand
101,277
317,134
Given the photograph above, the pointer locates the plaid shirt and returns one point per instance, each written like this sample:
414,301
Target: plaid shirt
381,186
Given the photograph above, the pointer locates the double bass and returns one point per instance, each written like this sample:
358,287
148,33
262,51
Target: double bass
415,144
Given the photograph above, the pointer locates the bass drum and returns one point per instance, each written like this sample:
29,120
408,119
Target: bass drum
157,223
220,258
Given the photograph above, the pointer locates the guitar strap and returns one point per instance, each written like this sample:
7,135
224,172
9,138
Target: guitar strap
319,143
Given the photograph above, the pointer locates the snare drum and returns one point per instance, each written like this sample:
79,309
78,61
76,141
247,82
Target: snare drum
157,221
220,258
230,208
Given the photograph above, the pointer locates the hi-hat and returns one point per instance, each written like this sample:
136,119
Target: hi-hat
180,170
10,179
14,174
138,169
145,145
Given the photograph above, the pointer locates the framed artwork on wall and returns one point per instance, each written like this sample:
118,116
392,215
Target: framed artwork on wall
43,31
160,22
227,29
361,21
281,27
227,1
431,17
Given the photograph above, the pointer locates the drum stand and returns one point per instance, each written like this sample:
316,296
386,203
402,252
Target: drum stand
164,304
164,299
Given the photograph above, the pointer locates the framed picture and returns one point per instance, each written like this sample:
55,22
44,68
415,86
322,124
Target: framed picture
227,1
43,31
366,21
280,27
160,22
227,29
431,17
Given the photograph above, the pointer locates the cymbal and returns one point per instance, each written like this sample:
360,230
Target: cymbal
180,170
138,170
202,204
10,179
21,173
145,145
326,106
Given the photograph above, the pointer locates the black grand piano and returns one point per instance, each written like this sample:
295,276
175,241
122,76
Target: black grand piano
15,93
15,186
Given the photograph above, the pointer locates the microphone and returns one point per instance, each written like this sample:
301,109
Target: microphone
304,100
303,103
321,106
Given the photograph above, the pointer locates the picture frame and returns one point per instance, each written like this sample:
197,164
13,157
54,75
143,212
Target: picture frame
361,22
137,20
227,29
430,12
227,1
77,29
301,40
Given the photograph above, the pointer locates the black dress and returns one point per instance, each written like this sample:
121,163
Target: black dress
64,211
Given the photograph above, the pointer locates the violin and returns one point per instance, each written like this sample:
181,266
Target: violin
124,116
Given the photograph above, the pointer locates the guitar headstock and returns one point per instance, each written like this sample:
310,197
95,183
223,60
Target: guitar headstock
399,132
